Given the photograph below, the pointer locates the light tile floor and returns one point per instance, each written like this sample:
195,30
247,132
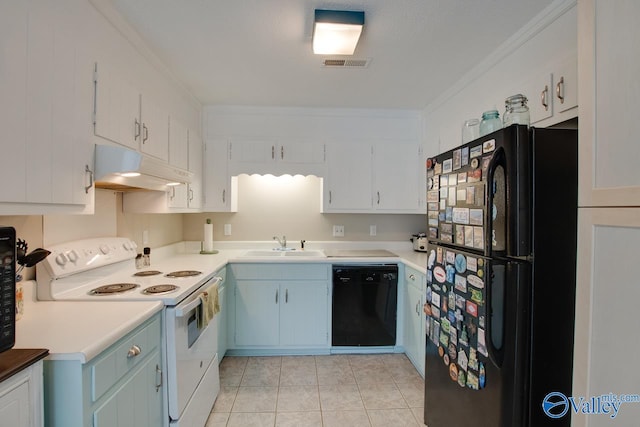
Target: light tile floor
308,391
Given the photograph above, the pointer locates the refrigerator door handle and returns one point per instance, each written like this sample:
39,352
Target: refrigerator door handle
498,159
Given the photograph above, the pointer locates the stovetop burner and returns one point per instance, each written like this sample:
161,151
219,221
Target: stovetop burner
159,289
184,273
114,288
147,273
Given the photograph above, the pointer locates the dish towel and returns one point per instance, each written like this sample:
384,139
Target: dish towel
209,305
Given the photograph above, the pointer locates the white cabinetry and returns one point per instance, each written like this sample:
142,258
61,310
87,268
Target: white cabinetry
609,66
123,386
275,157
606,310
220,194
44,119
281,306
414,334
554,92
125,116
178,144
21,398
373,178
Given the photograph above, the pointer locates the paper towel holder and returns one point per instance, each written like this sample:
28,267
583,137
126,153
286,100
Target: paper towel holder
206,246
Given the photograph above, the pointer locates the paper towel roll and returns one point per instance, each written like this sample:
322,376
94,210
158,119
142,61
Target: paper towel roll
207,244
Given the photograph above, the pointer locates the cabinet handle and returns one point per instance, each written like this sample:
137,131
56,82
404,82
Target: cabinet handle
412,277
90,172
417,308
133,351
145,132
273,152
378,197
276,296
158,378
173,192
190,195
224,195
286,296
560,90
281,152
544,98
329,196
137,130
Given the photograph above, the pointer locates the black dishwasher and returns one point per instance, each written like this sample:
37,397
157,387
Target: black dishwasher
364,307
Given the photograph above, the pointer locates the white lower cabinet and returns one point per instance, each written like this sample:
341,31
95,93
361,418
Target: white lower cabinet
122,386
21,398
281,305
414,334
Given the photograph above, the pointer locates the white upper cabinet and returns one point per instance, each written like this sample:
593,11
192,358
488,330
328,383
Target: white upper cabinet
45,119
196,154
609,66
396,182
125,116
347,185
275,157
373,178
219,191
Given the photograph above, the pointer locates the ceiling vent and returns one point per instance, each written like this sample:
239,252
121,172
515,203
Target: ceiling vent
346,63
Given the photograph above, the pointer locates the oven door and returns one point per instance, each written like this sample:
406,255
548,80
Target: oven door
190,352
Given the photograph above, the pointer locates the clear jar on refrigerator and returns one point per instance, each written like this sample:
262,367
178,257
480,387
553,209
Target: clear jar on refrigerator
516,111
490,122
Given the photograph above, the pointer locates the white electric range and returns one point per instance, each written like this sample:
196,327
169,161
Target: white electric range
105,269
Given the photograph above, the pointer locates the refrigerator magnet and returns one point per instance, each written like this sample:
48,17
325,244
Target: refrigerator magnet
473,359
462,177
460,263
468,236
475,281
453,352
461,194
446,228
462,378
482,377
453,372
475,163
474,175
475,152
472,381
461,283
471,195
463,339
460,234
451,200
437,168
435,310
448,214
488,146
461,215
472,263
444,339
451,273
478,237
453,335
447,166
472,308
440,351
451,257
476,296
475,216
446,238
445,325
462,359
457,159
481,321
482,345
459,315
460,303
439,255
465,156
445,359
435,299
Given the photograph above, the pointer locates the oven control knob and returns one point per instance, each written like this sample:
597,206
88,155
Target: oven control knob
61,259
73,256
104,249
126,246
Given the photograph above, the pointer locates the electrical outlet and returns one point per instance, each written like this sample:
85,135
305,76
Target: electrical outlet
227,229
338,231
373,230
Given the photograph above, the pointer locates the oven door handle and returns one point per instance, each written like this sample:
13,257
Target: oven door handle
182,311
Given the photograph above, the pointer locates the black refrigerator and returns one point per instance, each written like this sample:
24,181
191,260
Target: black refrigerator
500,295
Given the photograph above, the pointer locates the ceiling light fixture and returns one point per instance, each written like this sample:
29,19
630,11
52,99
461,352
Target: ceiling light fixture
336,32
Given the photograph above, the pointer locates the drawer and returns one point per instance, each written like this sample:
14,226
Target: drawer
122,358
279,271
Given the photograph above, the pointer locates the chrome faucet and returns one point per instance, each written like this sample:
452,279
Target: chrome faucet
283,242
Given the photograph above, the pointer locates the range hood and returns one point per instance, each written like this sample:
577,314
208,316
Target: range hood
121,169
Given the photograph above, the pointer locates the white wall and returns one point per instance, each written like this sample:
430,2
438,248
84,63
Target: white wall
290,206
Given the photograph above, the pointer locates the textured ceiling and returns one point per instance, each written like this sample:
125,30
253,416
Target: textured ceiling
258,52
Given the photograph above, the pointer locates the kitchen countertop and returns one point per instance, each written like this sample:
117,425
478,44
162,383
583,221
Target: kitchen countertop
74,330
77,330
15,360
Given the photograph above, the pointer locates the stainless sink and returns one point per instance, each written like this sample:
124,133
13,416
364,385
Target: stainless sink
279,253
